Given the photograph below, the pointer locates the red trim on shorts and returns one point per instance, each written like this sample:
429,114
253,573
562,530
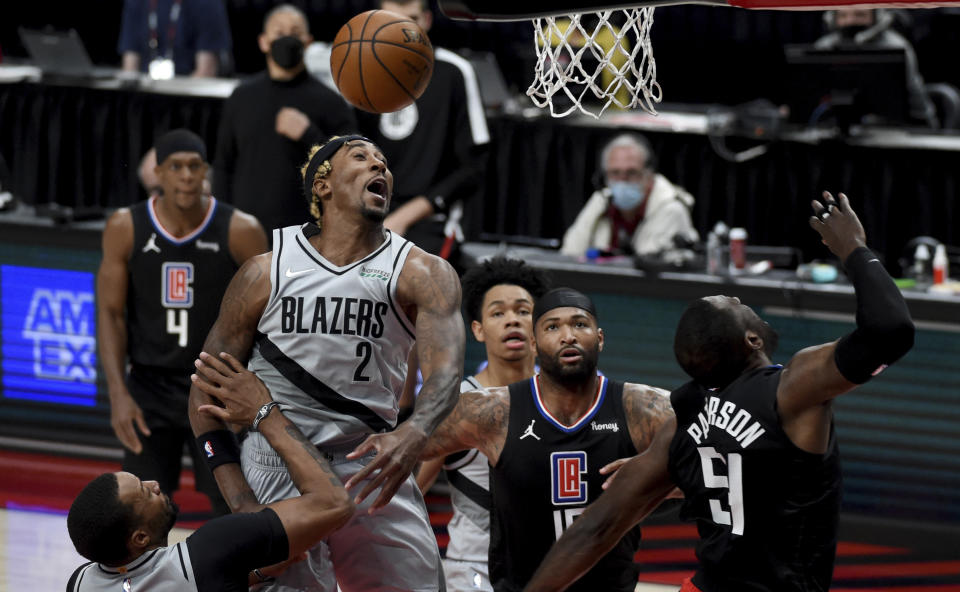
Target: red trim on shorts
688,586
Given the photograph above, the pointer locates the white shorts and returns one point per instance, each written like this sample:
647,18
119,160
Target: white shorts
394,549
466,576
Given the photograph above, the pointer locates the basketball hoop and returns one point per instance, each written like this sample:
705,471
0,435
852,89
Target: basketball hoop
625,74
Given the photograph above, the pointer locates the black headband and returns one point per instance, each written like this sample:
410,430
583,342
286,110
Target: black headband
179,140
325,153
561,297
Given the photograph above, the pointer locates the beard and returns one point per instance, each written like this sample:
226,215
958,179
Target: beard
165,521
580,372
373,215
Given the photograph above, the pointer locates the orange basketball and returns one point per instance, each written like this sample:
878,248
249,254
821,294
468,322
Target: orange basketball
381,61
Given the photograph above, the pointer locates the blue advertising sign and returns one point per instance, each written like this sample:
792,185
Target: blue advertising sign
49,335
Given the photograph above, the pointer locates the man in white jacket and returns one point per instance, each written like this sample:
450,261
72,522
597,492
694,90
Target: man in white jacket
639,211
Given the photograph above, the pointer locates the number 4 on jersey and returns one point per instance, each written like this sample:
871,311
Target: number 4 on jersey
732,482
177,324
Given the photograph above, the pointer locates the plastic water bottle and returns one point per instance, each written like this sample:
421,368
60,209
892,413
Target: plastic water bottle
714,253
921,261
738,249
941,266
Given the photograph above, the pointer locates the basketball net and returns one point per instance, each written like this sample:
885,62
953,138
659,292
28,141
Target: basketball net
625,74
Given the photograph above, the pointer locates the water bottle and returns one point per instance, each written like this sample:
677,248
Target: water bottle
714,253
941,269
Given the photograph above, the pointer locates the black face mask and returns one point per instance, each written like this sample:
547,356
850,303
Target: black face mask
287,51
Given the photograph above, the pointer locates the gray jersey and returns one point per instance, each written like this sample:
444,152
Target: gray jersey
333,341
161,570
469,475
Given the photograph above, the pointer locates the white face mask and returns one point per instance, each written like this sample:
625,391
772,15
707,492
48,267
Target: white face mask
626,196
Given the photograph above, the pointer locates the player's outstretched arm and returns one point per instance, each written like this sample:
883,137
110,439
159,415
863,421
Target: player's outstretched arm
233,333
640,486
323,505
884,330
479,420
428,291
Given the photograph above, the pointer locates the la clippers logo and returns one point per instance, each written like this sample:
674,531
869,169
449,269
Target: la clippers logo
567,470
177,291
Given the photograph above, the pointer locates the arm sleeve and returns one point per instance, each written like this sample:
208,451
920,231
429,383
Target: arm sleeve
884,330
226,549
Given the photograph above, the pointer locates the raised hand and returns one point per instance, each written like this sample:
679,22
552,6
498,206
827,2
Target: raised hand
838,225
228,381
397,453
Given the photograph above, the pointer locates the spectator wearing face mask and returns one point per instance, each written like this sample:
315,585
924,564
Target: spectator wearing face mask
872,28
269,123
637,212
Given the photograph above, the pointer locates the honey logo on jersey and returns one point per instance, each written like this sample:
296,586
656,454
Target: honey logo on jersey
567,476
176,288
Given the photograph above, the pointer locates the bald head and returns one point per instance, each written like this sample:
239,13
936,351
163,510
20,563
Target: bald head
286,14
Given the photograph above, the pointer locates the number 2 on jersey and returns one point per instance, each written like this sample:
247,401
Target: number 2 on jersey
177,324
732,482
364,349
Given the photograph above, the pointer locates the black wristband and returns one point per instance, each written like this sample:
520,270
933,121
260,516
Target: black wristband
219,448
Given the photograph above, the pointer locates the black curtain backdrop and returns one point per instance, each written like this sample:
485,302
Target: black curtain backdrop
80,147
704,54
543,171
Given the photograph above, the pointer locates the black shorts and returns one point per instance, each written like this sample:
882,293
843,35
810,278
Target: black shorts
162,396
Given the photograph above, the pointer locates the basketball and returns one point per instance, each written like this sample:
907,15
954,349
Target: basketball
381,61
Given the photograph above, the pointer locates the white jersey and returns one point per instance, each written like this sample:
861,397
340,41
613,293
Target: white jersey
164,569
468,473
333,341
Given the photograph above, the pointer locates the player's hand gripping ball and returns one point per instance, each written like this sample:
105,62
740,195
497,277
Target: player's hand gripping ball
381,61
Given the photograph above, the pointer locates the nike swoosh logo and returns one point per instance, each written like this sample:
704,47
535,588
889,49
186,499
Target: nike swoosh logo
290,273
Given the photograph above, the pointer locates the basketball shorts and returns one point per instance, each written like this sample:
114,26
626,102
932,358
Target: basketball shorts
465,576
394,549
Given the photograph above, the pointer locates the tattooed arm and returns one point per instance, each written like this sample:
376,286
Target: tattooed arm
479,420
428,291
647,408
233,332
323,505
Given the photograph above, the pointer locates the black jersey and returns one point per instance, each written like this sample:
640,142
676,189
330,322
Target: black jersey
766,510
218,557
175,287
546,476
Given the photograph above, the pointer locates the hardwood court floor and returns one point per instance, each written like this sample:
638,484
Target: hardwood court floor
36,553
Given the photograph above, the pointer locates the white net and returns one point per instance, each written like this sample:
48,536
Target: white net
588,62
